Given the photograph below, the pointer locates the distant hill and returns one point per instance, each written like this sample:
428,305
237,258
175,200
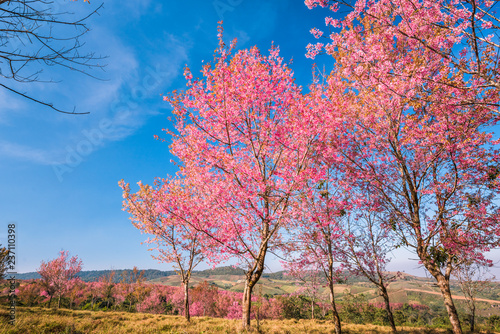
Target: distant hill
93,275
157,275
151,274
227,270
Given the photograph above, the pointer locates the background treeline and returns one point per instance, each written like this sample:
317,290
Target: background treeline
94,275
151,274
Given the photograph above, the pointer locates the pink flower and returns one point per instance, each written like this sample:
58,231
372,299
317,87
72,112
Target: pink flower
486,25
316,32
333,22
313,3
313,50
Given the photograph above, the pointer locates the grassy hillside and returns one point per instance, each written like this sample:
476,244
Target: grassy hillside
41,320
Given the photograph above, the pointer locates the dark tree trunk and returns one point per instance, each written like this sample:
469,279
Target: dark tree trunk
186,301
473,318
385,295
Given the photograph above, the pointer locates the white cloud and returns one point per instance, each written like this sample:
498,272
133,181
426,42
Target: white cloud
132,102
125,102
10,105
26,153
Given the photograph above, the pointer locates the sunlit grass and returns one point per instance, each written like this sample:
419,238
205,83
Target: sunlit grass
42,320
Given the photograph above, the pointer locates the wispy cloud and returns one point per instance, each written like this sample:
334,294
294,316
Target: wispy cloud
135,97
26,153
124,103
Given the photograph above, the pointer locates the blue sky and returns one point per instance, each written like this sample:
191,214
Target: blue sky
59,173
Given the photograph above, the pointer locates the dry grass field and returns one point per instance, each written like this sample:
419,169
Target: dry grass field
41,320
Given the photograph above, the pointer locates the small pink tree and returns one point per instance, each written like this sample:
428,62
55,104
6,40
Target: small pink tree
364,248
57,275
107,286
316,231
205,296
473,278
168,212
30,292
76,292
309,280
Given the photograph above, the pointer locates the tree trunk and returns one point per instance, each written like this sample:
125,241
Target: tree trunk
247,304
186,301
312,309
258,321
385,295
472,317
252,277
59,302
50,300
336,317
444,286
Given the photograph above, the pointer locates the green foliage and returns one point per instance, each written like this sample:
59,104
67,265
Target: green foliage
356,309
298,307
494,322
411,316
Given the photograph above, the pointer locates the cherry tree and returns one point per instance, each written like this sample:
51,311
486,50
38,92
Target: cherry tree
107,286
240,145
316,233
473,278
30,292
434,169
57,275
308,278
318,212
166,212
364,251
204,296
152,301
76,292
415,123
131,285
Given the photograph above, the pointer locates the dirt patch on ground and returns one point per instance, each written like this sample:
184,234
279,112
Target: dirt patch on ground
491,301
